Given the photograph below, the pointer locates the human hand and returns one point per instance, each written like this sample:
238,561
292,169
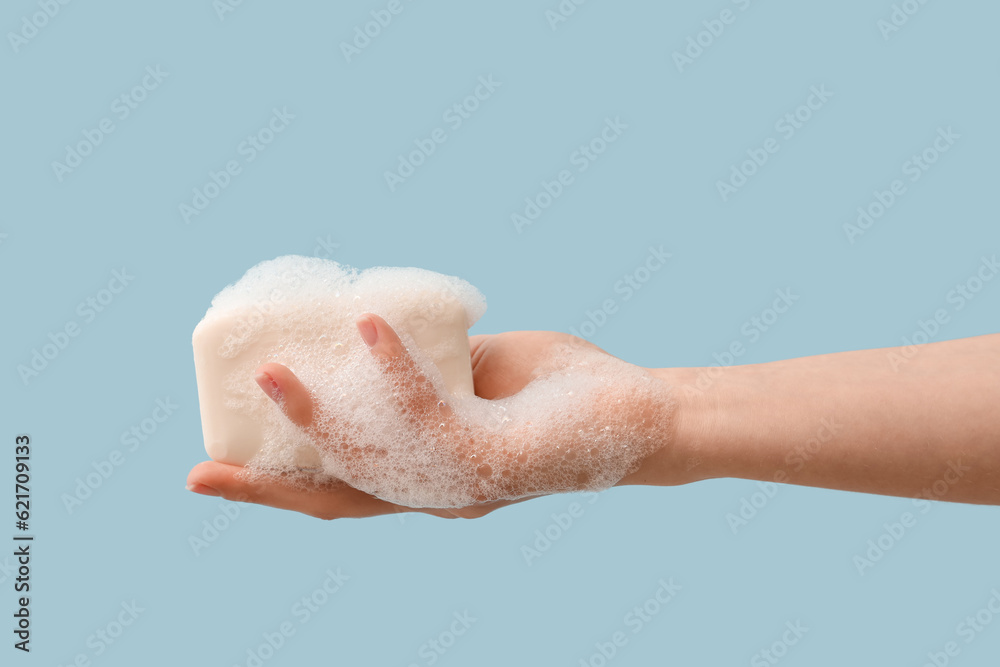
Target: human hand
503,366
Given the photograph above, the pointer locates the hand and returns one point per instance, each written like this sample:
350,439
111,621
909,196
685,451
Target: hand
503,364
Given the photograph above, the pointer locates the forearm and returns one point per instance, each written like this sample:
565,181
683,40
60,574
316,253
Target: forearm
927,425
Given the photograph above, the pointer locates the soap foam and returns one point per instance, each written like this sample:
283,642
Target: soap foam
585,421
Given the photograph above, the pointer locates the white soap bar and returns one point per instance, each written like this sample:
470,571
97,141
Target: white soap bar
296,302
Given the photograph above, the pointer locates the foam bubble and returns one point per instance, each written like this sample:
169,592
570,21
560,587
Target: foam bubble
586,420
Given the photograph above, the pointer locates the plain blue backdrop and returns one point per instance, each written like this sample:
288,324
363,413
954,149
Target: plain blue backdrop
319,186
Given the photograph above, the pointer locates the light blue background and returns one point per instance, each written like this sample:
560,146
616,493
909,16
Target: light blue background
322,178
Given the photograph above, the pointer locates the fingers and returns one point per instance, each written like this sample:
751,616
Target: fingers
418,395
332,502
381,338
296,401
482,509
285,389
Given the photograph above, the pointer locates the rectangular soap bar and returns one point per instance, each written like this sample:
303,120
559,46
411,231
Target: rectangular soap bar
242,330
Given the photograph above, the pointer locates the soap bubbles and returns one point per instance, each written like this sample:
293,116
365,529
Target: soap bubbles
577,426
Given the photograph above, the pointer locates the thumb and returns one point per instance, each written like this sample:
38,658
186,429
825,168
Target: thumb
417,393
284,388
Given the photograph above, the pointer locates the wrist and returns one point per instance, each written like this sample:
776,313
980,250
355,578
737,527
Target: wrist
710,409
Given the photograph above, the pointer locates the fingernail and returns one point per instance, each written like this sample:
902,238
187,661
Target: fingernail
267,383
368,331
203,490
